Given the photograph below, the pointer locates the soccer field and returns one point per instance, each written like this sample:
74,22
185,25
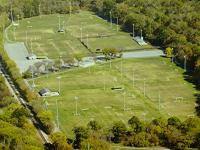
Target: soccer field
42,37
152,88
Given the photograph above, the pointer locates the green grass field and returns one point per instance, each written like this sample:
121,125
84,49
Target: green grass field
107,105
46,41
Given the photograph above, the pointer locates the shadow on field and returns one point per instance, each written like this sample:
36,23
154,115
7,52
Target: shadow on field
198,104
189,78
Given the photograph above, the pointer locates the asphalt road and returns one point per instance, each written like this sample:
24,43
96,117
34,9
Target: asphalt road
18,52
143,54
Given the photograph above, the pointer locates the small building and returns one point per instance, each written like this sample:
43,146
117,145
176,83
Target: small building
46,92
31,57
140,40
61,31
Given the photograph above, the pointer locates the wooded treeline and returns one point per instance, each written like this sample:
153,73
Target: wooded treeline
16,132
170,133
167,23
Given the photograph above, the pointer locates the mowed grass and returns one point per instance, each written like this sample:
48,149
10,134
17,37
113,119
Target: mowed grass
46,41
107,106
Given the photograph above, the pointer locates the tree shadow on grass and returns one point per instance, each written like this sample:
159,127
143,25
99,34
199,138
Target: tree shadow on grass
198,104
188,76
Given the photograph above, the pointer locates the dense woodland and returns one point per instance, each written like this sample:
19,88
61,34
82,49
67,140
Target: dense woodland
16,132
167,23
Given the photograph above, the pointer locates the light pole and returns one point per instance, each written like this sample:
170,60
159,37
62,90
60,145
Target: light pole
14,33
18,19
185,63
144,114
121,70
141,35
76,99
104,82
3,31
45,103
133,79
39,10
159,100
144,87
57,116
110,63
26,38
33,82
70,8
81,34
111,19
87,41
133,31
59,83
59,23
117,24
124,94
11,13
63,25
31,47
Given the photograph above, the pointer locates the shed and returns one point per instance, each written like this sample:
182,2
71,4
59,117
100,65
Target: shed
44,92
31,57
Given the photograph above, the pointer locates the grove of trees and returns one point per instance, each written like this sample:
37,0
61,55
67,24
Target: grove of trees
16,132
171,133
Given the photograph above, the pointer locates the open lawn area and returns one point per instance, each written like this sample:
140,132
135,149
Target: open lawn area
151,88
41,35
